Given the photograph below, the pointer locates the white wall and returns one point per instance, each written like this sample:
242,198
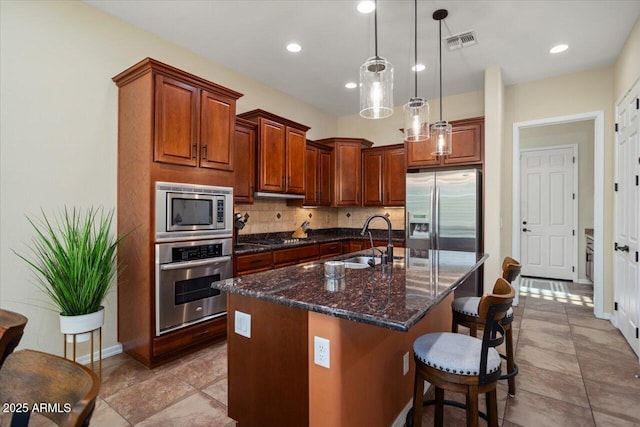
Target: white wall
59,129
626,70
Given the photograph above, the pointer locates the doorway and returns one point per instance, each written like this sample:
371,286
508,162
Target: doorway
549,214
596,120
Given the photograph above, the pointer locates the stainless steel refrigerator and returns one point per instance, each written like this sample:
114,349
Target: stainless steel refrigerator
444,211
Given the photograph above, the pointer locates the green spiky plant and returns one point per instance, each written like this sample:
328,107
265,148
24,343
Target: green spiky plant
74,258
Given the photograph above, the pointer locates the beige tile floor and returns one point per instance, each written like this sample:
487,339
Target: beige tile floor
575,370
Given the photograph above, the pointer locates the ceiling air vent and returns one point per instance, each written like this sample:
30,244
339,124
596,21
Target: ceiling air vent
458,41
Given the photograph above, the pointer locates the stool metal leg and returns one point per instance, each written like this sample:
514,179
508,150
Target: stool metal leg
418,395
439,414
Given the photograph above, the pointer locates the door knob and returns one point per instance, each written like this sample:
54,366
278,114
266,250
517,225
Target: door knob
525,230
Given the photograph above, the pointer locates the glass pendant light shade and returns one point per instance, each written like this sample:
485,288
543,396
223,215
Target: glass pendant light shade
441,138
416,120
376,88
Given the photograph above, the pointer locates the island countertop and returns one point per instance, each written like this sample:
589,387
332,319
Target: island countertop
394,297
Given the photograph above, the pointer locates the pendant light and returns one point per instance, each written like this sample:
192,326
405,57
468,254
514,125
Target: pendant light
416,111
376,83
441,130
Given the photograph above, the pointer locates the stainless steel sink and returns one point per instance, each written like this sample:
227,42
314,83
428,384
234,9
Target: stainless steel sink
360,261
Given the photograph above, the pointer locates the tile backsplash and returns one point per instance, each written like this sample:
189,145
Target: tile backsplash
273,215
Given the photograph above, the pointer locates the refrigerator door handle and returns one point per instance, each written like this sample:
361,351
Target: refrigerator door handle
432,228
436,218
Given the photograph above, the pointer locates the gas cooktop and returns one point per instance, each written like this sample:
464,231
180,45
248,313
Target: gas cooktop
273,242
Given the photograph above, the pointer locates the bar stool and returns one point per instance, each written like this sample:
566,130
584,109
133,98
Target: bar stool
465,313
11,330
463,363
59,389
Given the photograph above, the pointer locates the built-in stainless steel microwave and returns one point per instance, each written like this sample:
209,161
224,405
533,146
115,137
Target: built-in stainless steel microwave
187,211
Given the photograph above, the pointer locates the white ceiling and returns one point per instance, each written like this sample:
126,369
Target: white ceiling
250,38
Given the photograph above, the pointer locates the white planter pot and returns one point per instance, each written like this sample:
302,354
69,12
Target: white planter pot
81,325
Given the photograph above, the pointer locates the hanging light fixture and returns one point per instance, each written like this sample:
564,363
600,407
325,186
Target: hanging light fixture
416,111
440,130
376,83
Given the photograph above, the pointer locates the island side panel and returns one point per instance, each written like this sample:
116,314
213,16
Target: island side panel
268,373
365,385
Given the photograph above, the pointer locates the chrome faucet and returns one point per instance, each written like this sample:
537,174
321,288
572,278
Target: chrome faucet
389,253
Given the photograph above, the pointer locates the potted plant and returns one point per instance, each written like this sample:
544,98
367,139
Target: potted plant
74,258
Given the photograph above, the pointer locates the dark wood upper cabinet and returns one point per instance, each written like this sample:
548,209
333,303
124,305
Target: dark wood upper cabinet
383,176
372,177
217,119
317,175
324,177
182,110
394,176
245,160
176,122
467,142
346,165
296,142
467,147
281,153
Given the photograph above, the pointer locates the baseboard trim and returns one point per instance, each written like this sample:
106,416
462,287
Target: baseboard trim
107,352
402,417
584,282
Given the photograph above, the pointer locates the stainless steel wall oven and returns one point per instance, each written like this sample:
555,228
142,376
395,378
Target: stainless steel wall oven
185,272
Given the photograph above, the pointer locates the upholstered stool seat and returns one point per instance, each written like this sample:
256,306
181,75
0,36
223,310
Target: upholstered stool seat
455,353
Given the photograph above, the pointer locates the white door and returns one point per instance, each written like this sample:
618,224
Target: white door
627,216
548,200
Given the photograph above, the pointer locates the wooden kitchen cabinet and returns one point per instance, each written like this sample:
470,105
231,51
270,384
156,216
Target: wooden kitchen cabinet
383,176
253,263
244,152
346,168
193,125
467,147
317,175
281,153
297,255
330,249
173,126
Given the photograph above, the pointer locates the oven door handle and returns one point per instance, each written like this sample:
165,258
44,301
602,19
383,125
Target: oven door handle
190,264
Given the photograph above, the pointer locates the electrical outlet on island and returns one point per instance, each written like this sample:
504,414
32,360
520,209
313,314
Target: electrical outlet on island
321,352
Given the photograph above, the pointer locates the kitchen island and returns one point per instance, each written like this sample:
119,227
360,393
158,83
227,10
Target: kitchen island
370,318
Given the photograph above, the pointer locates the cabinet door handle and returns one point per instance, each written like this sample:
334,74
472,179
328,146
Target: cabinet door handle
283,178
289,180
204,152
194,150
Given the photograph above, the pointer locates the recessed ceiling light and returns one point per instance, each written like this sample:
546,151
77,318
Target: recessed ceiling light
294,47
351,85
366,6
559,48
418,67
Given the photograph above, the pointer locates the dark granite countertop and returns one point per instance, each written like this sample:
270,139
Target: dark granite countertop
392,297
315,237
